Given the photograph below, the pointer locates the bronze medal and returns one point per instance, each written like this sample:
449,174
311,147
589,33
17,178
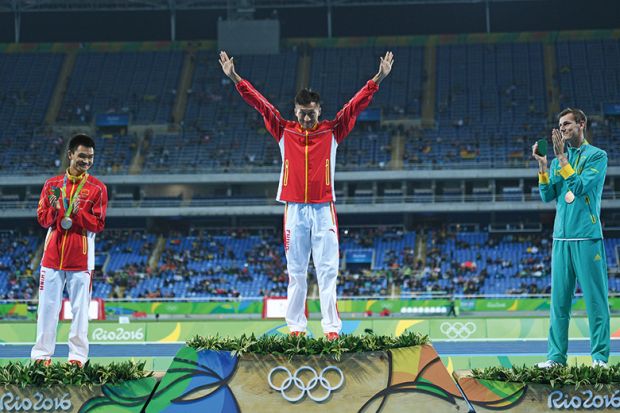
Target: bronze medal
66,223
569,197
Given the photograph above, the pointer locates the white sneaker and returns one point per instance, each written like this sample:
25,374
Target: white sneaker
547,364
599,363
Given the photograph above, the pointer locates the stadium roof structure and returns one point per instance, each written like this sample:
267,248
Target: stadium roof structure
235,9
146,5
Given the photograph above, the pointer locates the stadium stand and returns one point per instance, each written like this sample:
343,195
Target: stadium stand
17,250
337,73
26,84
141,84
204,263
114,153
490,105
230,263
475,262
220,131
588,73
120,251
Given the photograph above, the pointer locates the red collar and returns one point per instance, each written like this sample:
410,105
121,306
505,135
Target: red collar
300,129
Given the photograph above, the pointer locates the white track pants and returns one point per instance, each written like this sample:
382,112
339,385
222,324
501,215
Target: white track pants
311,228
51,286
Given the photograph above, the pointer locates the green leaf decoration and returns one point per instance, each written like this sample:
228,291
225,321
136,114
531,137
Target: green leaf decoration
64,374
304,346
557,376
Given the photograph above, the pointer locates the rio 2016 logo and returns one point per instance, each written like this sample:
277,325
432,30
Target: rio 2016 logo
10,402
586,400
118,334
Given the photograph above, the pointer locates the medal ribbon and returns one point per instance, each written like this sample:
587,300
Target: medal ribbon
576,168
65,200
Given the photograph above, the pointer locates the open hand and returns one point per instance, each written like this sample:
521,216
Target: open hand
228,65
558,143
54,202
385,67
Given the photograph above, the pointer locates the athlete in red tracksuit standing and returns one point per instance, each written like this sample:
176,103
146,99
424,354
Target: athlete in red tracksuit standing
72,207
308,149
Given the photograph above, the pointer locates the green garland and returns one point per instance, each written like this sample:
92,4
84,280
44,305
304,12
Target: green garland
303,346
65,374
555,377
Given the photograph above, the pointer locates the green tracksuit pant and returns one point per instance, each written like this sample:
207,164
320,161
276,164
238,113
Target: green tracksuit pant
585,261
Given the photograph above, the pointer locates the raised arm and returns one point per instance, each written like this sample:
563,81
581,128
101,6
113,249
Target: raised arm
271,116
345,119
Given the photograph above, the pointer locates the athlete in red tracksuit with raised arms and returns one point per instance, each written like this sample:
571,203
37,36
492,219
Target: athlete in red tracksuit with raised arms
308,149
72,207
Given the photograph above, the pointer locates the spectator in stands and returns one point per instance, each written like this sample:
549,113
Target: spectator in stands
576,184
306,185
72,208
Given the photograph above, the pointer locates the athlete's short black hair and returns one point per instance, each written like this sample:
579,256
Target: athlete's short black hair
81,139
307,96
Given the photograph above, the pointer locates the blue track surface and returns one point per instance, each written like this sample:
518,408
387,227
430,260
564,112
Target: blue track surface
444,348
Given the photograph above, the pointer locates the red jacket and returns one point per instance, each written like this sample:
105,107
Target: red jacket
72,249
308,156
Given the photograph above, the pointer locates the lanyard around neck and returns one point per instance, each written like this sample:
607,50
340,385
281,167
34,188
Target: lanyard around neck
68,203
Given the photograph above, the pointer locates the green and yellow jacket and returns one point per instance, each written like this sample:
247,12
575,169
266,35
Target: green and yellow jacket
584,176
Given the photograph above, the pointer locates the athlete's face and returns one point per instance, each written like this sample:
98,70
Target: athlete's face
571,130
308,115
81,159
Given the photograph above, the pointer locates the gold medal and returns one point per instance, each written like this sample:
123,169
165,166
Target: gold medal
569,197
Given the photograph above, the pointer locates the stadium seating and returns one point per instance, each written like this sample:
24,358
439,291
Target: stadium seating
142,84
214,264
482,263
337,73
26,84
221,132
491,104
588,73
126,250
114,154
232,263
17,251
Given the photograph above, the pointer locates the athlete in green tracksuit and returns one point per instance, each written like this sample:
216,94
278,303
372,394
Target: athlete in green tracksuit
575,181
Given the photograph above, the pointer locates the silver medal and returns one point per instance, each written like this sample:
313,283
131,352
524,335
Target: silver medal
66,223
